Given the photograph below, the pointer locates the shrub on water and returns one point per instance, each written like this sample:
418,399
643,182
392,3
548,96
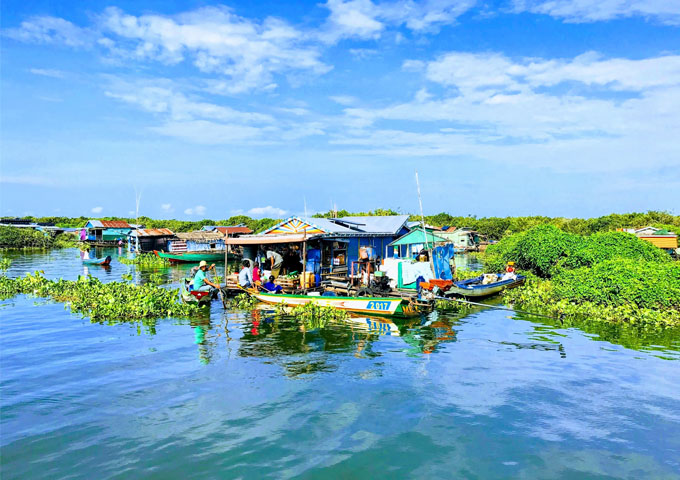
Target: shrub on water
622,281
537,250
606,246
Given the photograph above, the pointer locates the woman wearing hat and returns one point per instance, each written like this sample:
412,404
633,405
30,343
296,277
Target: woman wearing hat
201,283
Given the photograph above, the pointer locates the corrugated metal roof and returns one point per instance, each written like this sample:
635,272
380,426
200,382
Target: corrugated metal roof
109,224
115,224
200,236
388,224
326,225
417,237
234,230
152,232
270,239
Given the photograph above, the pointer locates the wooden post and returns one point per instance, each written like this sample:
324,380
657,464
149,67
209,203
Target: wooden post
226,257
304,261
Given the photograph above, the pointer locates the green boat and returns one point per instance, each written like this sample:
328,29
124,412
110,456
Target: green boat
191,257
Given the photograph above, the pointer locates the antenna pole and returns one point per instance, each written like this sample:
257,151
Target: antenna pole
422,217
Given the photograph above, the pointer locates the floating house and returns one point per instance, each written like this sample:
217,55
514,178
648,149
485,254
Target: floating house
656,236
327,245
463,239
199,241
145,240
106,231
409,245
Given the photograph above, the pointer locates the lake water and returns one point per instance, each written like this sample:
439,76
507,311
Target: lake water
233,394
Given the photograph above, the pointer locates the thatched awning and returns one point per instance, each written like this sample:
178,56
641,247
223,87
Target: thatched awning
200,236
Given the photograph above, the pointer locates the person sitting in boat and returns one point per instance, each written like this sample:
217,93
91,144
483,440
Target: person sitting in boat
271,287
257,273
510,273
245,278
201,283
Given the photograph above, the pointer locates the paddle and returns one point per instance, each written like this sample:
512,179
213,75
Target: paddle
218,283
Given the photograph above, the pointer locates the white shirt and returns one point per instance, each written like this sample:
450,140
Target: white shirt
245,278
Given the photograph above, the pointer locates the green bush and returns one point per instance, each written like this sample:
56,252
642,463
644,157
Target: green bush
622,281
537,250
15,237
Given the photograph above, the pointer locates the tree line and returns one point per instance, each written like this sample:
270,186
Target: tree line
494,228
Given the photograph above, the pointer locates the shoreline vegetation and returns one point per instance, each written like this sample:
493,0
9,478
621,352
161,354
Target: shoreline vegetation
579,270
612,276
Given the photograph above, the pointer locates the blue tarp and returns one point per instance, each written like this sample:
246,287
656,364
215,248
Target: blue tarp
440,259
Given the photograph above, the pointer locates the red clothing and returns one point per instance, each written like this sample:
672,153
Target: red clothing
256,274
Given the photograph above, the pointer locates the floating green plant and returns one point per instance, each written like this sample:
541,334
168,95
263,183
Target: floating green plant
5,263
145,260
101,301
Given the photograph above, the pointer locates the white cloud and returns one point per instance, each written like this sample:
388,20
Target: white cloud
51,30
353,18
665,11
164,97
612,114
46,72
267,211
365,20
28,180
217,41
167,207
209,133
97,209
197,210
344,99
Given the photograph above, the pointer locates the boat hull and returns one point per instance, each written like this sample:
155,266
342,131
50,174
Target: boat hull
477,291
97,261
198,298
366,305
190,257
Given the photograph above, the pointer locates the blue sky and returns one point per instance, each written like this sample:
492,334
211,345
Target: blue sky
521,107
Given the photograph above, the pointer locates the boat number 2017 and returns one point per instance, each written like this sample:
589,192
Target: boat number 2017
375,305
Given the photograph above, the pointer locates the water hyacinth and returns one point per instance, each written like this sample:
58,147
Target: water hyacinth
101,301
145,260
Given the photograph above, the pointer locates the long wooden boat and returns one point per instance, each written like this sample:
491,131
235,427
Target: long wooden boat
98,261
190,257
474,287
199,298
382,306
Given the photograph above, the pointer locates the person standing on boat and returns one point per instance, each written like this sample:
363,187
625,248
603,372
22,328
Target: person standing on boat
245,278
276,260
201,283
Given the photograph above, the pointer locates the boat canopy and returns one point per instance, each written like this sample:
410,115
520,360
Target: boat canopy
270,239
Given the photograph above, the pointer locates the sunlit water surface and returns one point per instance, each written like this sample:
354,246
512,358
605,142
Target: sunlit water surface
235,394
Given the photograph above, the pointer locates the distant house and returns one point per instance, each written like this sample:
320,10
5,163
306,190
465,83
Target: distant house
462,238
103,231
149,239
199,241
660,238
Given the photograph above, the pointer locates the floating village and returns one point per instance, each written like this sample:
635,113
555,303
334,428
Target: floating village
372,265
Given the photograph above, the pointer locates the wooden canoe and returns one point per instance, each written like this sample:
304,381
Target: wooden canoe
382,306
473,287
191,257
199,298
97,261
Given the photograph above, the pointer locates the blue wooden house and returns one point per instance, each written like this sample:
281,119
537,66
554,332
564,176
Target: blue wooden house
342,239
107,231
